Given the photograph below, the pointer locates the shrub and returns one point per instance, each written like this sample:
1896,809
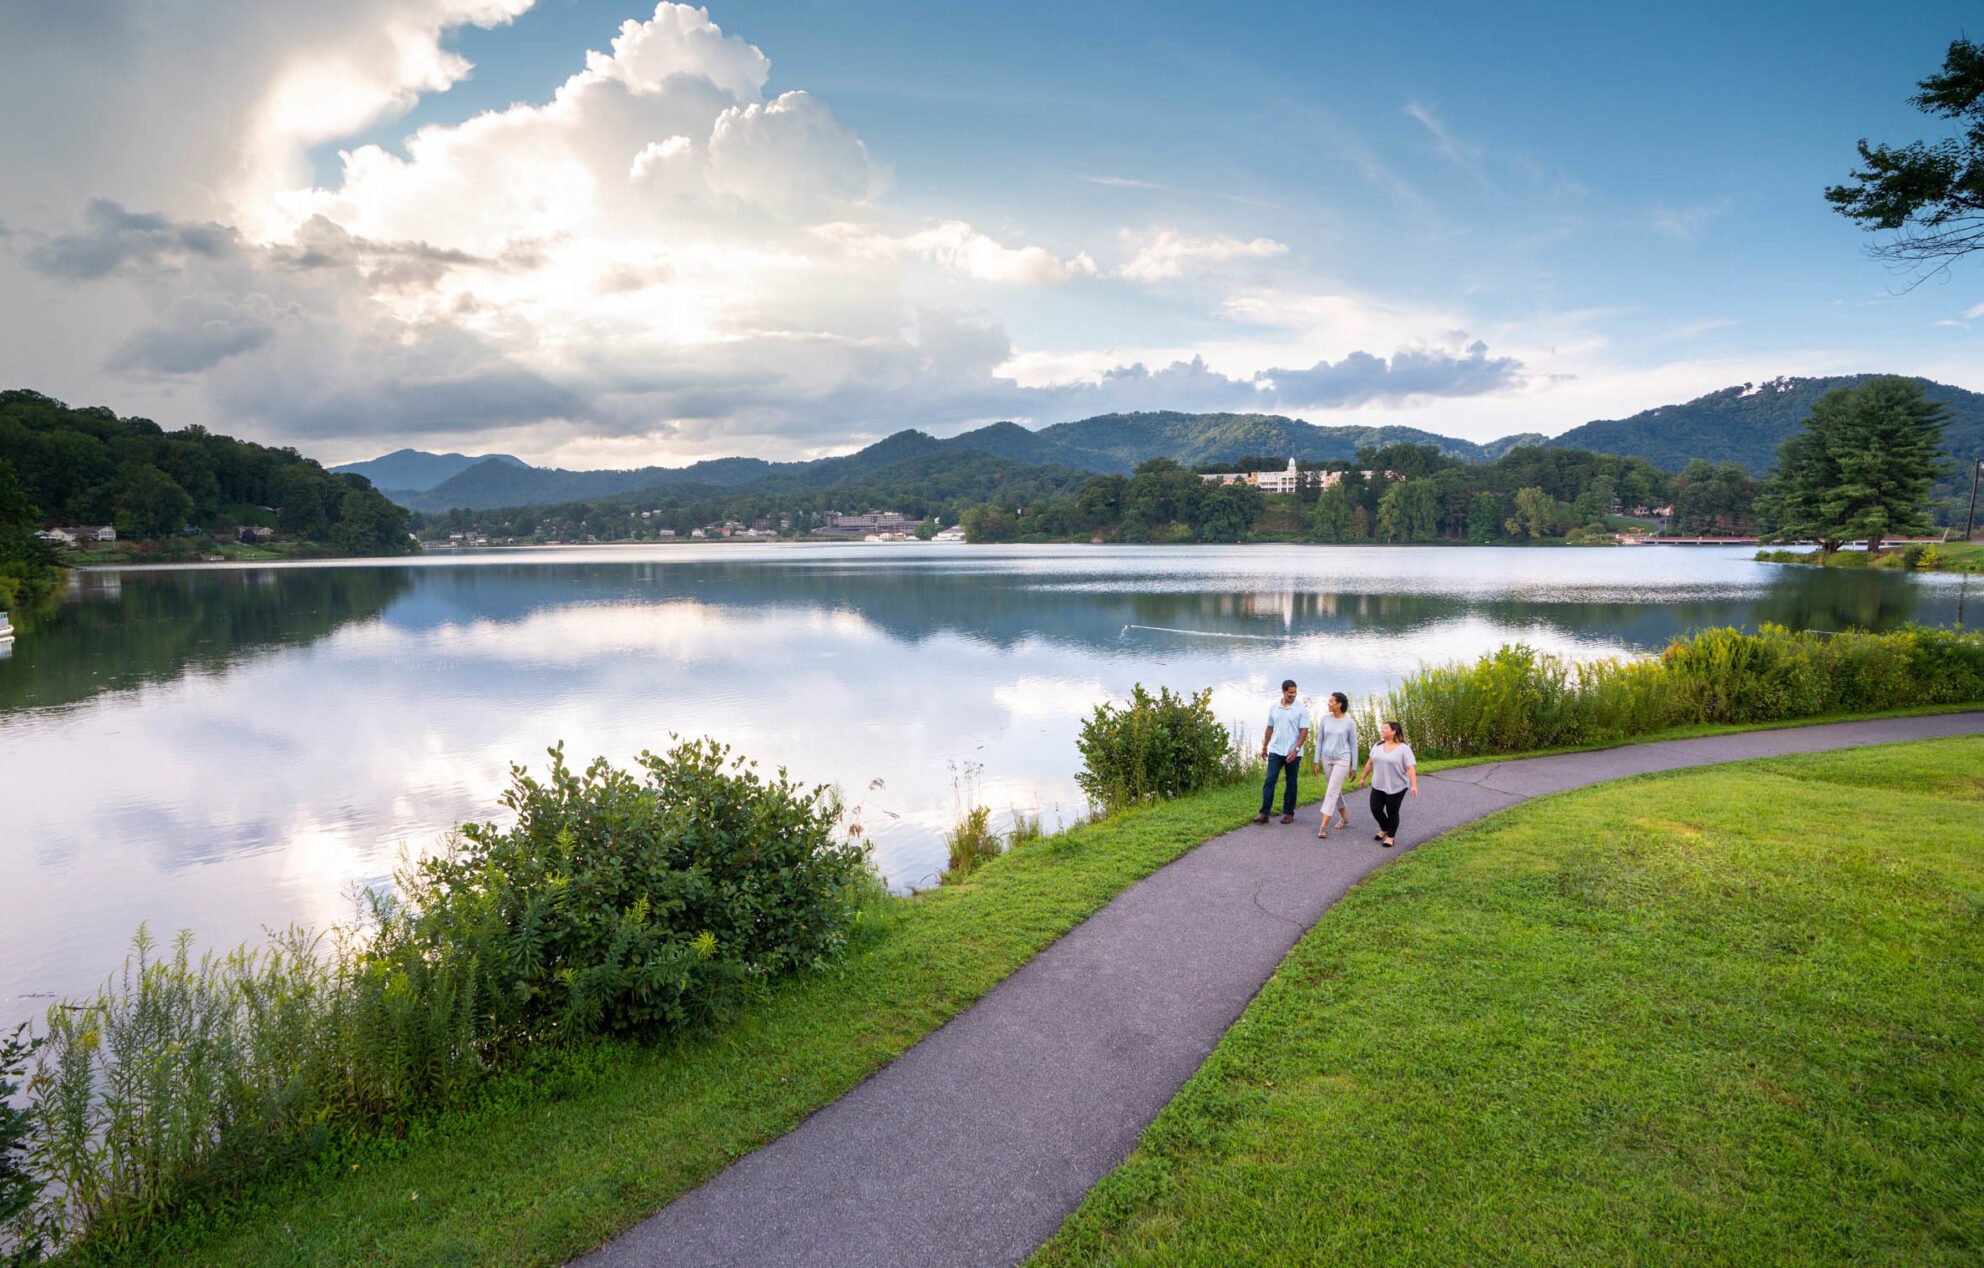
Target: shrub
623,903
1152,748
1516,699
615,903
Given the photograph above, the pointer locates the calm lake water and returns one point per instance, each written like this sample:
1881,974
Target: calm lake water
229,748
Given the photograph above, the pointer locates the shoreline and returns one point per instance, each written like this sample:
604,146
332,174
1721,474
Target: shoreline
621,1128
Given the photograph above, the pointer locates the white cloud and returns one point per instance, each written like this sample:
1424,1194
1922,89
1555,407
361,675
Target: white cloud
1166,254
654,261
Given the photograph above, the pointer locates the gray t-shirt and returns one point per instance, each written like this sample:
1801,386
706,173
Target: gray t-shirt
1388,769
1337,738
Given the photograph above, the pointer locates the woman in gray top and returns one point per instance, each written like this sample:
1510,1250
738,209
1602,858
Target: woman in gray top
1336,752
1392,770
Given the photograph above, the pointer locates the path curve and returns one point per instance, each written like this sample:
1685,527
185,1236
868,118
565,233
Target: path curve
974,1145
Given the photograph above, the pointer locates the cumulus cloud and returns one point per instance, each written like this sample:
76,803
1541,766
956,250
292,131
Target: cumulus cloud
1165,254
655,259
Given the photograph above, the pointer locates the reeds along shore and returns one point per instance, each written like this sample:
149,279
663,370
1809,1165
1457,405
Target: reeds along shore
1517,699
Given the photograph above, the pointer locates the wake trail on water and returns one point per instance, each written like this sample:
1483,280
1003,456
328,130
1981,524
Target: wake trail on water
1166,629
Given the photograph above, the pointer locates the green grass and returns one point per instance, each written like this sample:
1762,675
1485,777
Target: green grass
1722,1015
555,1164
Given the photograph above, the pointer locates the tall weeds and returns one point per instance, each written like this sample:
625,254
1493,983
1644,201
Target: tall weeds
1517,699
618,902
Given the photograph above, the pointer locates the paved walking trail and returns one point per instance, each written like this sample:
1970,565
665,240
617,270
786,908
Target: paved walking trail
974,1145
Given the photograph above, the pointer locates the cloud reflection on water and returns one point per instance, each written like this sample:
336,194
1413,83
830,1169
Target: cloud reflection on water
225,750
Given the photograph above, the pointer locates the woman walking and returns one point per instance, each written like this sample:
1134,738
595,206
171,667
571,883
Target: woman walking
1336,753
1392,770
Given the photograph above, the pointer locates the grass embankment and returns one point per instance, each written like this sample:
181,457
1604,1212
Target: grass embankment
552,1166
1946,557
1725,1015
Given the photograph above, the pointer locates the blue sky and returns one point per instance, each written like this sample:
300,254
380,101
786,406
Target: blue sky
1474,219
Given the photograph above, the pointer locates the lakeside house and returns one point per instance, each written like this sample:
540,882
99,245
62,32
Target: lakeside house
74,536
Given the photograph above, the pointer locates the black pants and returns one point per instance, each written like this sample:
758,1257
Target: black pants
1384,808
1277,763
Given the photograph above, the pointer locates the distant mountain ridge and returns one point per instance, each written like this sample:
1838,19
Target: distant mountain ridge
1743,424
416,470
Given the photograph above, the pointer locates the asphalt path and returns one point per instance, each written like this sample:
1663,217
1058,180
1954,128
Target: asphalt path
973,1146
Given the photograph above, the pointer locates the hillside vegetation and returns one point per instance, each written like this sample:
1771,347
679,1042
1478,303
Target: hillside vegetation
86,466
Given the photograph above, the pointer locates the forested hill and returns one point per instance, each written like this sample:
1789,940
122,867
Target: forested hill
1746,424
86,466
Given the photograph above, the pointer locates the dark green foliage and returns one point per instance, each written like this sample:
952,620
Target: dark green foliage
1484,518
1152,748
19,1186
87,466
1401,493
642,902
27,566
1862,468
1334,519
1931,194
1713,501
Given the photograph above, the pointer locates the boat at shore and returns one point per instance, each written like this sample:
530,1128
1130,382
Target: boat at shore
6,630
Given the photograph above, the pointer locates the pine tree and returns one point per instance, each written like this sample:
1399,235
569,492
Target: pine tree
1862,468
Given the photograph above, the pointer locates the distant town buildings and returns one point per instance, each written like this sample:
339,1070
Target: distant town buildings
872,523
1289,479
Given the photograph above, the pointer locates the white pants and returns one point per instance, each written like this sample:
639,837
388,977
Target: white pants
1338,769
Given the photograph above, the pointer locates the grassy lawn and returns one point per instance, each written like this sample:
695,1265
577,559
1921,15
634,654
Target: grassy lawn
1732,1015
553,1165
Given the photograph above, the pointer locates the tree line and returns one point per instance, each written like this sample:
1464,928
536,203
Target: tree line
1398,493
87,466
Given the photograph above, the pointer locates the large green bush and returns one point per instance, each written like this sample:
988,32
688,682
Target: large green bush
635,903
1153,747
616,902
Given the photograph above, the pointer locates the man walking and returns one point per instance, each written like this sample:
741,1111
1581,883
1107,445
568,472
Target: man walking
1288,731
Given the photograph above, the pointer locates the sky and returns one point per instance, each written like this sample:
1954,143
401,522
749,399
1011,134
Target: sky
599,233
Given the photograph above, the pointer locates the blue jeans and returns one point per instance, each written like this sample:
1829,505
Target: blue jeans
1277,763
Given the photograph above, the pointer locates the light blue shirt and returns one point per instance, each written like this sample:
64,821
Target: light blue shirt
1287,721
1337,738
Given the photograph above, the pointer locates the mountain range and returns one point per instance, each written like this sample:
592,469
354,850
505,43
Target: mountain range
1742,424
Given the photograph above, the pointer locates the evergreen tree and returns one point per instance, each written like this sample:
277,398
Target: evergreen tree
1863,467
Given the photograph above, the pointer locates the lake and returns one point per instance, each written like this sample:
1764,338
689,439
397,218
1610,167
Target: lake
227,748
